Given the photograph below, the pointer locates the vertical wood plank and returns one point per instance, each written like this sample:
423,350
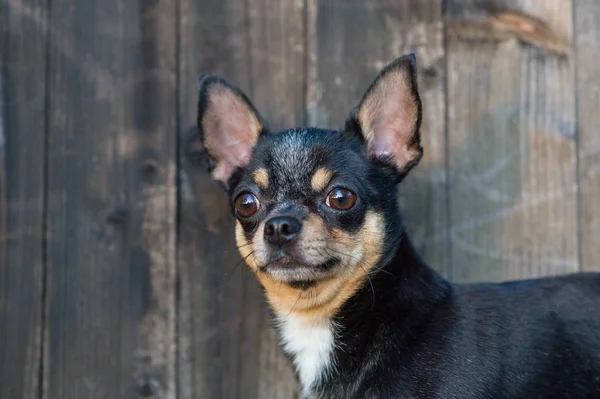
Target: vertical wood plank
277,59
227,348
587,54
212,289
511,149
351,42
22,154
112,206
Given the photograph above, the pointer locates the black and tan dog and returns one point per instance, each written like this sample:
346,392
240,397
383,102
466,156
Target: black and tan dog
357,310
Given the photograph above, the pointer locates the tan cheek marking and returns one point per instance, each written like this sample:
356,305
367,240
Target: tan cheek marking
370,238
322,301
320,179
244,247
373,234
261,178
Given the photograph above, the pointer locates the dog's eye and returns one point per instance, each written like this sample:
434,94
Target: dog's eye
341,199
246,205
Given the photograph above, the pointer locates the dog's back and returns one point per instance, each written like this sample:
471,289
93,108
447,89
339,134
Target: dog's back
537,338
358,311
529,339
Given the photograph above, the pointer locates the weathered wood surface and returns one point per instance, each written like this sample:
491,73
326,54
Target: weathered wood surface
587,72
119,275
111,200
512,156
350,42
228,349
22,196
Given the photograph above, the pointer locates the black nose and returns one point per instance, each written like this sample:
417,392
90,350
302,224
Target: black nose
282,229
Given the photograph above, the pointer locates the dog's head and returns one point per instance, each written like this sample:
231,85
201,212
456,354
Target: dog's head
316,209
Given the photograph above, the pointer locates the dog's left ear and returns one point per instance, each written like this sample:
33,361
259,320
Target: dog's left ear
388,117
229,126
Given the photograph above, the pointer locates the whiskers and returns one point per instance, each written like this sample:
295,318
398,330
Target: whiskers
371,284
362,268
293,307
243,246
373,267
316,252
309,297
242,260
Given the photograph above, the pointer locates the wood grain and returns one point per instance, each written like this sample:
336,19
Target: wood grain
587,72
112,200
109,290
351,42
512,150
22,154
278,77
228,349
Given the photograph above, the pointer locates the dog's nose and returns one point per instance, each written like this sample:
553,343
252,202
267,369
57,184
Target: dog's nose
282,229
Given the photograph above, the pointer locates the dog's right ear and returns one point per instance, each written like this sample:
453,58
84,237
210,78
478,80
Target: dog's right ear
229,126
388,117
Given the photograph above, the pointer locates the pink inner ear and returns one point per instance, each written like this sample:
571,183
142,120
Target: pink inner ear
231,129
391,136
388,117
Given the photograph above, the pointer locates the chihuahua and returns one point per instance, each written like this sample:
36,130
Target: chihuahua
357,310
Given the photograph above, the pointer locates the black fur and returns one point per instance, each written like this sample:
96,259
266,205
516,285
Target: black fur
422,337
410,333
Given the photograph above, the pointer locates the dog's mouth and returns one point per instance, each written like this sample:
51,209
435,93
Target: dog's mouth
285,268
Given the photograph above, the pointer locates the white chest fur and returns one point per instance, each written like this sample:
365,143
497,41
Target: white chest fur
311,346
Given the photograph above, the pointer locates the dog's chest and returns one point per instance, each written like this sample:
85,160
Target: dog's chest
311,347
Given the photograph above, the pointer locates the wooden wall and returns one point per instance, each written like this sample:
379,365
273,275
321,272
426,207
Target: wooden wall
119,276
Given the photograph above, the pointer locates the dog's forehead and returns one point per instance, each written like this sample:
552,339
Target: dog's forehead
299,162
295,155
291,158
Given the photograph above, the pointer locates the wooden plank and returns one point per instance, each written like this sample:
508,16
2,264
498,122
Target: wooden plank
512,146
587,54
112,206
227,348
352,41
278,75
22,153
212,293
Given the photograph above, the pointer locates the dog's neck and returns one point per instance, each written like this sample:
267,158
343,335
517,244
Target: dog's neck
403,288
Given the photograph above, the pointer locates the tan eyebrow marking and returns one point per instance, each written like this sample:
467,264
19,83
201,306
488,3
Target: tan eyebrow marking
320,179
261,178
